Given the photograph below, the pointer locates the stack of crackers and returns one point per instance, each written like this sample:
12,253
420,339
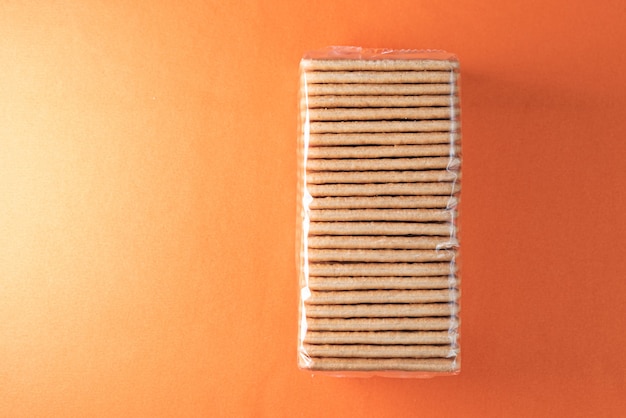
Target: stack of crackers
379,186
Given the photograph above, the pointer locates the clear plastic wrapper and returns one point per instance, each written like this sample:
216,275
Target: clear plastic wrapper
378,190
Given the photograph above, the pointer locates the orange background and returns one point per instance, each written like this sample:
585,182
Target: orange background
147,186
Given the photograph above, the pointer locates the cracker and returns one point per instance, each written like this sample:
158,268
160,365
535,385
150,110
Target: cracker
378,101
380,228
384,189
379,337
377,256
383,151
375,77
384,126
330,177
401,364
380,351
381,282
407,215
382,310
382,324
381,113
382,164
382,138
382,242
378,89
351,297
381,269
384,202
378,65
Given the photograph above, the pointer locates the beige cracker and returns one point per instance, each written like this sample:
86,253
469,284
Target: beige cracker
330,177
407,215
325,77
434,365
383,138
382,242
382,310
381,113
391,164
378,65
384,202
381,269
378,89
380,228
373,256
381,282
350,297
377,351
378,101
382,324
384,126
383,151
379,337
385,189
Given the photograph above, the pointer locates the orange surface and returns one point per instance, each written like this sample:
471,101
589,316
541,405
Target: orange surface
147,189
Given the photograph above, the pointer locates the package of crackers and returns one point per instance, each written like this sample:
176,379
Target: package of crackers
378,191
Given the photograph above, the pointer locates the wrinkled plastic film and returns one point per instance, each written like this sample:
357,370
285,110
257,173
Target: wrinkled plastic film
379,160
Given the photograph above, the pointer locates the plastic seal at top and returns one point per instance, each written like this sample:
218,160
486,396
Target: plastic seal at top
379,181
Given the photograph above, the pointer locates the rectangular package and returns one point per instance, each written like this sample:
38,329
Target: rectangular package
379,183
